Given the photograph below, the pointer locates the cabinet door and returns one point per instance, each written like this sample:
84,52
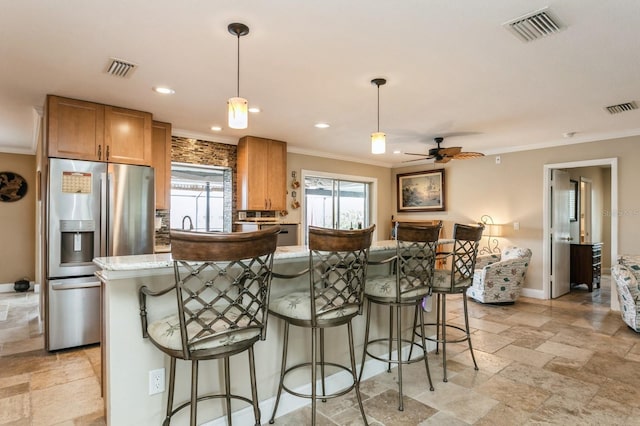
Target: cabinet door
161,136
75,129
277,175
252,173
127,136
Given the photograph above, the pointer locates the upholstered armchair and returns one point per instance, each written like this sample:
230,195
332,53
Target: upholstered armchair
498,277
626,275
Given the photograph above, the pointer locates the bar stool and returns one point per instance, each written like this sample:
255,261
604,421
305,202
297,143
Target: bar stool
411,280
455,279
222,289
337,271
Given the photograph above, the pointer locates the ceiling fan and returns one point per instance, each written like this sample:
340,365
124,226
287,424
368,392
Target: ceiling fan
444,155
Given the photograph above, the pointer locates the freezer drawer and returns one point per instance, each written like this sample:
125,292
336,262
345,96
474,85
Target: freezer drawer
73,312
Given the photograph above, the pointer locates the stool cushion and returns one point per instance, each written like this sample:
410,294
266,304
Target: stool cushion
442,281
166,331
298,305
384,286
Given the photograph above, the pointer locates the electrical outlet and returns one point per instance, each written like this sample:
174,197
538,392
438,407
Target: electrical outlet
156,381
498,159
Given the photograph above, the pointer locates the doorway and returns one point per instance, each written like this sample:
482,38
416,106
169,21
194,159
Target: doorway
548,208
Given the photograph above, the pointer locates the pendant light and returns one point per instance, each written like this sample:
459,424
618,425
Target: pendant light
238,107
378,138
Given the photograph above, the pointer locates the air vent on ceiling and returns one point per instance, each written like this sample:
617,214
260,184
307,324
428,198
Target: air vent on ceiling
120,68
627,106
534,25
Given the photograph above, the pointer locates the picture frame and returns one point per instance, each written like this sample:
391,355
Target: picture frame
421,191
574,197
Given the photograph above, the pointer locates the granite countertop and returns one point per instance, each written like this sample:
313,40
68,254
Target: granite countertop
164,260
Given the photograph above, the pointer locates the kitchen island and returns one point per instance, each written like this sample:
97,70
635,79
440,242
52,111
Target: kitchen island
128,357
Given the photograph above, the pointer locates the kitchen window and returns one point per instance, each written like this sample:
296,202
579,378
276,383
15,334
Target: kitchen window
337,201
201,198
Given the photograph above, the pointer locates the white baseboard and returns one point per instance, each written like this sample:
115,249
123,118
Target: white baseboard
8,287
533,293
289,403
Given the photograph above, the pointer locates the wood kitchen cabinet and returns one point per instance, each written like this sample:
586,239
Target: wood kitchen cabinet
75,129
262,170
161,137
81,130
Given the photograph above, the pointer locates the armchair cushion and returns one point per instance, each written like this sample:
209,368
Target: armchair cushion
628,294
500,281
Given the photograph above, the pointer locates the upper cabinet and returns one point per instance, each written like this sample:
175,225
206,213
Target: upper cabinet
162,163
127,136
262,174
75,129
88,131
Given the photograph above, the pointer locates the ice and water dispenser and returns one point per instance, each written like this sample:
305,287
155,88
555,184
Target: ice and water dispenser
76,241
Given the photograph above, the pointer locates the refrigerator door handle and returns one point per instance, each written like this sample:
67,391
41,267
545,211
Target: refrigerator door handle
73,286
103,214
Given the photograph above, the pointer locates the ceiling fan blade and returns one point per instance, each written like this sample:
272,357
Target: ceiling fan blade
412,153
468,155
453,150
417,159
443,160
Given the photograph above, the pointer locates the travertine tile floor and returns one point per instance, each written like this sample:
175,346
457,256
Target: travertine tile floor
569,361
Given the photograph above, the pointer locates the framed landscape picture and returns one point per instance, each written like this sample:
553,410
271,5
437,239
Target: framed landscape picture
421,191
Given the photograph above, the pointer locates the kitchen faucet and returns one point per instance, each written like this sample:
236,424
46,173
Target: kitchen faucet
190,222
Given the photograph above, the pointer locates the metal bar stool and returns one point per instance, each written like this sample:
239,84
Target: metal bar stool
337,271
222,291
410,281
455,279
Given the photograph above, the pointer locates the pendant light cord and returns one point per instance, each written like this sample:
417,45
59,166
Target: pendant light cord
378,107
238,73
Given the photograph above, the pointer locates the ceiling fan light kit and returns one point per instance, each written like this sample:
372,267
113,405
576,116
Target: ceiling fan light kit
238,107
378,138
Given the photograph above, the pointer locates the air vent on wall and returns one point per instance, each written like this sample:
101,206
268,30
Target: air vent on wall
120,68
627,106
534,25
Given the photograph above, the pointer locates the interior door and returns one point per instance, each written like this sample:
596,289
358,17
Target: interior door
560,235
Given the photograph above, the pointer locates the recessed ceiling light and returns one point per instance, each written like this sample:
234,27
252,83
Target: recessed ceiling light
216,128
164,90
322,125
397,151
254,109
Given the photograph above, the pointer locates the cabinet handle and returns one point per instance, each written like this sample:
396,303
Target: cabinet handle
99,152
107,157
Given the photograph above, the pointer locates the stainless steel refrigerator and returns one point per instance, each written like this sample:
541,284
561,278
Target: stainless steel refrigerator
94,210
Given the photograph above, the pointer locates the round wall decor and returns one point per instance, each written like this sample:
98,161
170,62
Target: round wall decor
12,186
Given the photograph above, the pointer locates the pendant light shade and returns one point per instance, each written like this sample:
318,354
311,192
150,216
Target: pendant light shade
237,106
378,142
238,113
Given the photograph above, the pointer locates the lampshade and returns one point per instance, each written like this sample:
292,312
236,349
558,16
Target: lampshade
494,230
238,107
377,143
378,138
238,113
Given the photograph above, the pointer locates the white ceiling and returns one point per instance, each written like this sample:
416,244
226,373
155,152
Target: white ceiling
452,70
